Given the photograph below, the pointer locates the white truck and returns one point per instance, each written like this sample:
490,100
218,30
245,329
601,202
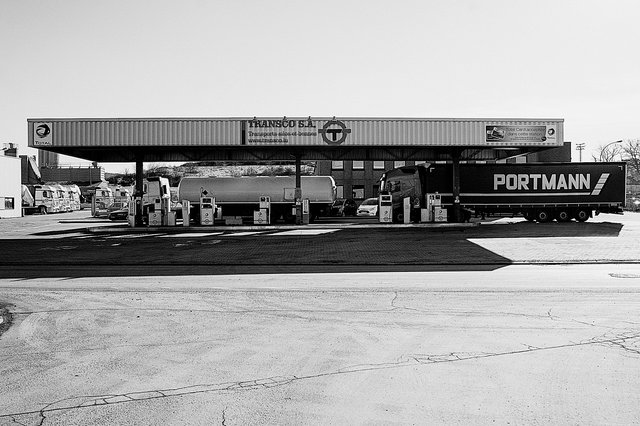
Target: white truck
240,196
41,199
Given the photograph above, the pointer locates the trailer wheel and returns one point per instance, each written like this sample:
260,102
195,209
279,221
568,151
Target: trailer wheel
43,210
563,216
582,215
543,216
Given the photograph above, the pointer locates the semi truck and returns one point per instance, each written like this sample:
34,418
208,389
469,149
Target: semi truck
538,191
41,199
240,196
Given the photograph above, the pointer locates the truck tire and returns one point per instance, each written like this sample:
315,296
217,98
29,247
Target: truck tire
543,216
563,215
43,210
582,215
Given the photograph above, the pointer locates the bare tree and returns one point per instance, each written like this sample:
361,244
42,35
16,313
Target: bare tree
631,153
609,152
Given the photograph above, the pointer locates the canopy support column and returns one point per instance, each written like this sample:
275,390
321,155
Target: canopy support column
137,195
298,191
457,210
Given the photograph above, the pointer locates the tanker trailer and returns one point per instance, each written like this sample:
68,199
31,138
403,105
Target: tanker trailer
240,196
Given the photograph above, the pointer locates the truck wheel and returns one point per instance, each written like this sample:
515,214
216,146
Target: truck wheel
43,210
582,215
563,216
398,217
543,216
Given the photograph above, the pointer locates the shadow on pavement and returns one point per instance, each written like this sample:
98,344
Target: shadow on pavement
350,250
95,271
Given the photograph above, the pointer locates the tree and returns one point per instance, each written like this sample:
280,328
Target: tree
631,153
609,152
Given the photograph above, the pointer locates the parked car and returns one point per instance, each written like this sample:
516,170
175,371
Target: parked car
369,207
118,211
343,207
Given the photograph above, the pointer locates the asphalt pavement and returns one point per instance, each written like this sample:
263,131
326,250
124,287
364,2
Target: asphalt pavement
501,322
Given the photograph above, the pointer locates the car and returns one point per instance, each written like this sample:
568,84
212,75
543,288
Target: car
369,207
343,207
118,211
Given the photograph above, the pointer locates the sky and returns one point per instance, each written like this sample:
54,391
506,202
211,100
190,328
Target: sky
576,60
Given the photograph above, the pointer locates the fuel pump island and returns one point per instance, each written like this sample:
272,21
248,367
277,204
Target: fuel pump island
234,200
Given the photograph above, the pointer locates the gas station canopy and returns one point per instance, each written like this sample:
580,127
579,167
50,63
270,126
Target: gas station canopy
286,138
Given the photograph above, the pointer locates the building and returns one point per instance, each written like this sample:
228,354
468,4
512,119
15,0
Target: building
10,188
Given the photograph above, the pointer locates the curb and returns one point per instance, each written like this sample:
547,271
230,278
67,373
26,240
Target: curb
185,229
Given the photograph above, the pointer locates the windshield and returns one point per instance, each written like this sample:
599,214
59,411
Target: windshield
370,202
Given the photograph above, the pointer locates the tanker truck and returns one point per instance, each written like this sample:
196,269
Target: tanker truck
240,196
539,191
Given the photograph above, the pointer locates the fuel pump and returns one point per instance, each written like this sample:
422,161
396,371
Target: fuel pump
385,208
207,211
155,212
165,211
186,212
306,212
262,216
406,210
434,210
131,217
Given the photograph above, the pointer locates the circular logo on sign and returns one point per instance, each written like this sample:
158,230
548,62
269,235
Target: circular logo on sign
551,132
334,132
43,131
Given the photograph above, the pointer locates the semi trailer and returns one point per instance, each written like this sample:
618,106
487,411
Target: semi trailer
539,191
240,196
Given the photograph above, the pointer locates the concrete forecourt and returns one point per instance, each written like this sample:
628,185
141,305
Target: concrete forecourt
541,324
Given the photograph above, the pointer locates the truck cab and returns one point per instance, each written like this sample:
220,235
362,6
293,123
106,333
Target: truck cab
401,183
42,199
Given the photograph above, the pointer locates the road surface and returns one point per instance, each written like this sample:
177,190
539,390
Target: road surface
553,342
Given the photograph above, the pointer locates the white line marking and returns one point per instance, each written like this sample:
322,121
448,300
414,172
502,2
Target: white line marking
125,236
302,232
191,234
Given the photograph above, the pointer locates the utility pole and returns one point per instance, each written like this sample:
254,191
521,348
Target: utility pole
580,148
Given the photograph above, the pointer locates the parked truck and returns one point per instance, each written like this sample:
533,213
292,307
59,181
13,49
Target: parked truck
539,191
240,196
41,199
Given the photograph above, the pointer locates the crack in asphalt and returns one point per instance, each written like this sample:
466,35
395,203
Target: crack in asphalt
289,312
407,360
620,341
13,419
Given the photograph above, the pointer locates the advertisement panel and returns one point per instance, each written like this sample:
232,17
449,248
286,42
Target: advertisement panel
520,134
288,131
